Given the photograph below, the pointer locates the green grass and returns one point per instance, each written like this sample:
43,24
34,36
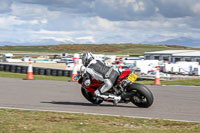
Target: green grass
37,77
194,82
189,82
19,121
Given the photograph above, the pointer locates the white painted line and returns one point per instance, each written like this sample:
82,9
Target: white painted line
150,118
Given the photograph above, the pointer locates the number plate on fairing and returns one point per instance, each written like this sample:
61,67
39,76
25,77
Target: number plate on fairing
132,77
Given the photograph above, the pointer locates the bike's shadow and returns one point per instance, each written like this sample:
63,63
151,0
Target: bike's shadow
88,104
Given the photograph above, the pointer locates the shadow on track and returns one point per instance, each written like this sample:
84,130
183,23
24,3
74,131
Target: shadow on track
87,104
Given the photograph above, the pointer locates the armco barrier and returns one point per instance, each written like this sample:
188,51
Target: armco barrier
36,70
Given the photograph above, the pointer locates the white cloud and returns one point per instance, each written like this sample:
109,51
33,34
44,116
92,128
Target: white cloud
196,8
27,11
86,39
99,24
44,21
59,39
99,21
48,32
139,6
5,5
34,22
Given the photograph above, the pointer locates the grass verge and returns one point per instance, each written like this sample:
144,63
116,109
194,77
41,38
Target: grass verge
19,121
189,82
37,77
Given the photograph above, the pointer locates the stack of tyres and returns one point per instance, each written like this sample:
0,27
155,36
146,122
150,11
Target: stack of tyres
35,70
7,68
48,72
66,73
18,69
41,71
24,69
70,74
13,68
1,67
54,72
59,73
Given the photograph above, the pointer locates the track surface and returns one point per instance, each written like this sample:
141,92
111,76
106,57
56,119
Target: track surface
170,102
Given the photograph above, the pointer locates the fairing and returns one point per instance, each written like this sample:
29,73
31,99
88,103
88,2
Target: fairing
124,74
96,84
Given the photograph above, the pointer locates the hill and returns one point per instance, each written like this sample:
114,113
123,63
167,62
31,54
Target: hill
128,49
182,41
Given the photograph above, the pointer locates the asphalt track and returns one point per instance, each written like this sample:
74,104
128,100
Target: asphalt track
170,102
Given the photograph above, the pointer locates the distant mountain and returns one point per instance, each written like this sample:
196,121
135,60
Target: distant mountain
40,42
8,43
183,41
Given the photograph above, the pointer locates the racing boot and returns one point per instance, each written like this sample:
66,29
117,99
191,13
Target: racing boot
108,96
116,100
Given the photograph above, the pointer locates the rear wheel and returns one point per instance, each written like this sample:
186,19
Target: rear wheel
90,97
142,97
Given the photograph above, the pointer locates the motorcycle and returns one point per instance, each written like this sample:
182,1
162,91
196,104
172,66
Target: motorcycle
124,86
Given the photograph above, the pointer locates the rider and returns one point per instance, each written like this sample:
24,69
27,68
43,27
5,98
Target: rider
99,70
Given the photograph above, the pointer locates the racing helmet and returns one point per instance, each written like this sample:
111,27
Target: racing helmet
86,58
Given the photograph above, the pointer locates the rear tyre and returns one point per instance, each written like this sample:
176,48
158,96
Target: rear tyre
143,97
90,97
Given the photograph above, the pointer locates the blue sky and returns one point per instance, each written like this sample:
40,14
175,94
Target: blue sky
98,21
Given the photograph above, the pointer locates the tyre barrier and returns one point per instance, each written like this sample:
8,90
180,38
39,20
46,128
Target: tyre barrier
18,69
24,69
48,72
7,68
54,72
13,68
1,67
67,73
36,70
59,73
41,71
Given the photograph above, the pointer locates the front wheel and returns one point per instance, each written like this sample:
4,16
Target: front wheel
142,97
90,97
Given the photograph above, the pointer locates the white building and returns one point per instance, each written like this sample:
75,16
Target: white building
174,55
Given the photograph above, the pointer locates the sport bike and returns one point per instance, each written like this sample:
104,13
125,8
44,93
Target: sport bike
124,86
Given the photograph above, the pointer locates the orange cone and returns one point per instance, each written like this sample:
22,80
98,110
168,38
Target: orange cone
157,78
120,67
74,73
30,71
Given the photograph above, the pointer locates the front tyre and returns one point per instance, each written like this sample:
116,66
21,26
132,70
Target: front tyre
142,97
90,97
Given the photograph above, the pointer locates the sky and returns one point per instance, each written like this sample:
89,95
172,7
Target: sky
98,21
